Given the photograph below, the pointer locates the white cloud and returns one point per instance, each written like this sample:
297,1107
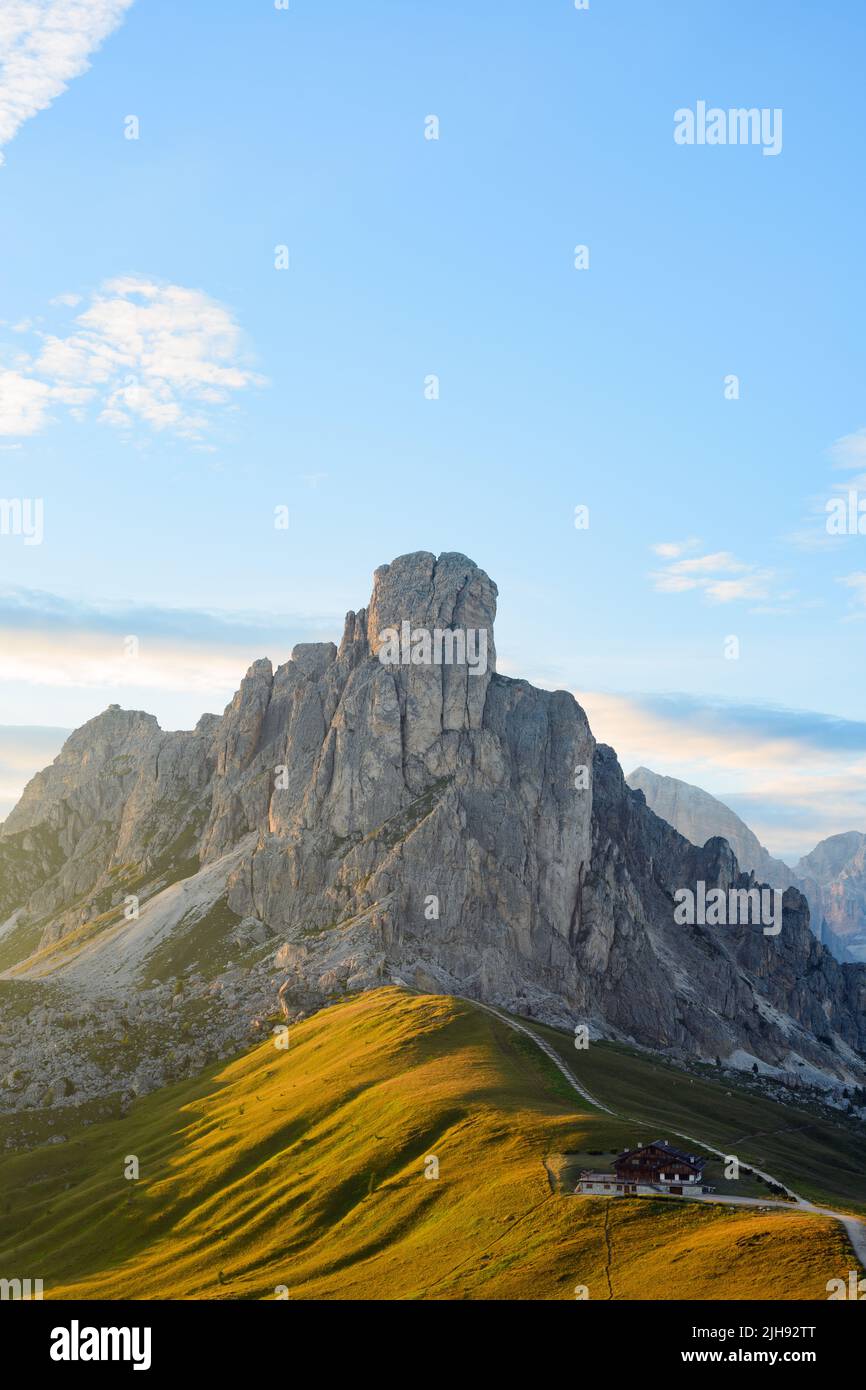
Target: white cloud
670,550
161,355
750,586
44,45
23,404
850,450
711,574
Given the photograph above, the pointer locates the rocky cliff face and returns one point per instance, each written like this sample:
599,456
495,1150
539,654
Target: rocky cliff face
701,817
832,878
355,817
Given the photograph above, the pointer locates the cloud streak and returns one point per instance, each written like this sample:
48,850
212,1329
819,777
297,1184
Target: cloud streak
45,45
50,641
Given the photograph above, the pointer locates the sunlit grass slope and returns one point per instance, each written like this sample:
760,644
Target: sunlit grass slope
306,1168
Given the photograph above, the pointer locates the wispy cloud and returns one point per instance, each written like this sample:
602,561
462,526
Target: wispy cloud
139,353
44,45
671,550
719,575
23,404
847,455
849,452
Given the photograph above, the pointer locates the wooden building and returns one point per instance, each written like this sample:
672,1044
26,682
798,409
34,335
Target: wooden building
649,1169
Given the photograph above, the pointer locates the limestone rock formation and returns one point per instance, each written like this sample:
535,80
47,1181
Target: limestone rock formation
353,818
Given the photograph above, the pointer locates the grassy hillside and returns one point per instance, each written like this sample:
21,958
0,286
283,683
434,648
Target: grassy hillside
822,1159
305,1168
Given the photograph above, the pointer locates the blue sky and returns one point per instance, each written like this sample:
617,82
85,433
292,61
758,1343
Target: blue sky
164,387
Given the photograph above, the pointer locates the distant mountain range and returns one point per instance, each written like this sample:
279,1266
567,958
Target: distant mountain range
832,877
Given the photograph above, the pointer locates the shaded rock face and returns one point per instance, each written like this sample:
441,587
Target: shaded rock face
439,823
832,878
701,817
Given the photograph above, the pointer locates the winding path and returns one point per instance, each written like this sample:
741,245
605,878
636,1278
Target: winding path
854,1227
545,1046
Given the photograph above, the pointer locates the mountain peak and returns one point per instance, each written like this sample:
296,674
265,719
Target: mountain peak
448,591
